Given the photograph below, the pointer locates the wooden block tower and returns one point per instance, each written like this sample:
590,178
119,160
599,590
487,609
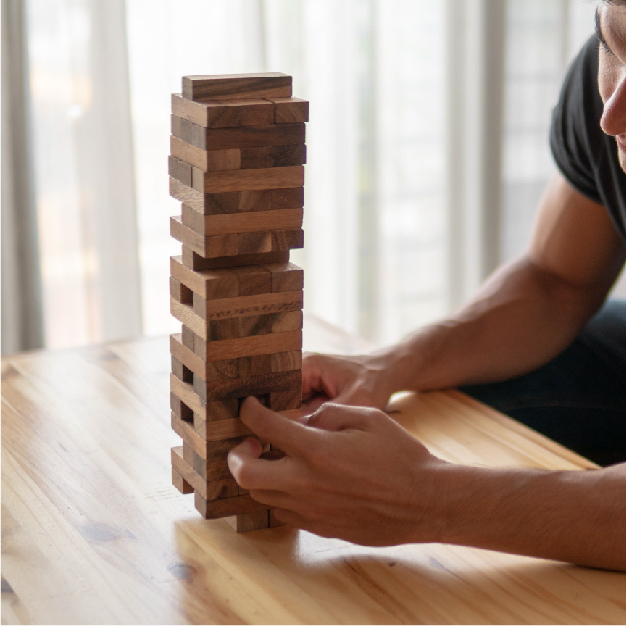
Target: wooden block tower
236,165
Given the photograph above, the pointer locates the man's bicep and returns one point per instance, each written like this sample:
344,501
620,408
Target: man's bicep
575,240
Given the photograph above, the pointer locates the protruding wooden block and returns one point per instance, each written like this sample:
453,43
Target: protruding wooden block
224,113
228,86
247,522
289,110
243,137
180,483
211,225
248,179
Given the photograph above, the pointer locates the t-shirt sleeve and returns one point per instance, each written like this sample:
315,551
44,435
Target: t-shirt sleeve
578,110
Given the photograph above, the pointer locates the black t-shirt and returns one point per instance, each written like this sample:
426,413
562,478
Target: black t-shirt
586,156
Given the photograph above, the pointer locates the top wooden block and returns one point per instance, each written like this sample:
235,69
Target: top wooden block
228,86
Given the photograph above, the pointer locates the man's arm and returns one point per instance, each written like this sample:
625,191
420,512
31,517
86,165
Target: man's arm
523,316
403,494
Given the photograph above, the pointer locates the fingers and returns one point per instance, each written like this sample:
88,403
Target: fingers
333,416
290,436
315,378
250,469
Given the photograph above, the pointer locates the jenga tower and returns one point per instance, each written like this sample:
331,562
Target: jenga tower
236,165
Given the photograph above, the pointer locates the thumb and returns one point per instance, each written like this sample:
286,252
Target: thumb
290,436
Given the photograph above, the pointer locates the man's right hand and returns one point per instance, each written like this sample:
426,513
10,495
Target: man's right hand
355,380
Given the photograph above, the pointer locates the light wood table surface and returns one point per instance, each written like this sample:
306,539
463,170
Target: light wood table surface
93,531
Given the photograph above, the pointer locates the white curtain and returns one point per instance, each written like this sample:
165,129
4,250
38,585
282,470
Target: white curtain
427,145
84,170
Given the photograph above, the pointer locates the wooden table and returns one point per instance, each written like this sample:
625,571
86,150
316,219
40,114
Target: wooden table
93,531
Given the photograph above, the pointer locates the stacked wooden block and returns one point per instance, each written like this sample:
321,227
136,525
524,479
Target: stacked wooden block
236,165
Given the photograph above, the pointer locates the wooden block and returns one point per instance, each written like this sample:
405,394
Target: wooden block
209,284
224,113
247,522
180,409
286,239
248,179
260,200
253,280
214,509
211,161
180,483
205,203
230,428
289,110
286,400
209,372
259,365
217,330
190,133
283,322
225,86
257,324
241,306
251,346
266,383
286,361
196,262
211,225
181,371
180,292
225,488
286,277
272,156
186,339
292,198
187,452
243,137
206,247
181,170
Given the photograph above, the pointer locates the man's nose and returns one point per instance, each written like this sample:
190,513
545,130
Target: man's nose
613,120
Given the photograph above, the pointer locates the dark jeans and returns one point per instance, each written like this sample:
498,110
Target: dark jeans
578,398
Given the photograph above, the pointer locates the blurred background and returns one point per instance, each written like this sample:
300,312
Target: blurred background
427,150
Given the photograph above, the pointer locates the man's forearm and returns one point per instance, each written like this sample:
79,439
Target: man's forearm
520,319
574,516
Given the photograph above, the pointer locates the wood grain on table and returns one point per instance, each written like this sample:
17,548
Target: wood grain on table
93,531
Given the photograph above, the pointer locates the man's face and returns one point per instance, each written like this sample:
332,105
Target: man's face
611,21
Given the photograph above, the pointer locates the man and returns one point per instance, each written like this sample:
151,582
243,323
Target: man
353,473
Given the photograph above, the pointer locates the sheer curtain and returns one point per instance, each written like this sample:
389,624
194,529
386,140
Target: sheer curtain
84,170
427,145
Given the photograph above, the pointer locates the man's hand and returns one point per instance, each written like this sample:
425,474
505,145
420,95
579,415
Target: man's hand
354,380
351,473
